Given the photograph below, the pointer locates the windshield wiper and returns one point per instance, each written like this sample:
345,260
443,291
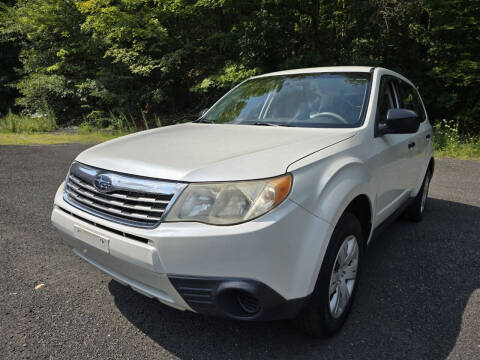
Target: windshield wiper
204,121
261,123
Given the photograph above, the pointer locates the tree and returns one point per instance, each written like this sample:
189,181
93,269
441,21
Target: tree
140,58
9,62
454,61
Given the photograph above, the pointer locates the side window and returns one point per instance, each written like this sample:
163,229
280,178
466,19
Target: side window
386,100
409,99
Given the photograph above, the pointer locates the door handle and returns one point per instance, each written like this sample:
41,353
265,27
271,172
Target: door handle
428,136
411,145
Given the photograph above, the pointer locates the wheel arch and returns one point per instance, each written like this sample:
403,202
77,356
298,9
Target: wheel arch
335,188
361,208
349,188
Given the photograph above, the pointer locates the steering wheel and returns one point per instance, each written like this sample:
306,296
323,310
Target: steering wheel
331,114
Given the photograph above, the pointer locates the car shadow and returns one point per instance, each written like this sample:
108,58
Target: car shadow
414,289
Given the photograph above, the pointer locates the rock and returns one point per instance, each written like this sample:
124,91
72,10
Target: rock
39,286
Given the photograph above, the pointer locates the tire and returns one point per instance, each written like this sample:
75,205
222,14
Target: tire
417,208
317,318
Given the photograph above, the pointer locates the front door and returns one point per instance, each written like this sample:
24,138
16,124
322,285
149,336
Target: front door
409,99
393,173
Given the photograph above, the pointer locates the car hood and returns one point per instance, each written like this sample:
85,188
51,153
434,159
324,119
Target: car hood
195,152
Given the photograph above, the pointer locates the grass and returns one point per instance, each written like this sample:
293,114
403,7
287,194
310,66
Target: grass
27,130
449,142
50,138
14,123
465,151
454,149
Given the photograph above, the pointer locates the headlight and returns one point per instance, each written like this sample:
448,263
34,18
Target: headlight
229,203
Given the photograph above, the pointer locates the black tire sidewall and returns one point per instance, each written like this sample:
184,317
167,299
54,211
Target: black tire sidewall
414,211
319,321
348,226
428,177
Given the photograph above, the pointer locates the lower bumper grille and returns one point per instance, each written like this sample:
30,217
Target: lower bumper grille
126,199
236,298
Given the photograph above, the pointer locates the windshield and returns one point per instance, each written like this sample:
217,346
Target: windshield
306,100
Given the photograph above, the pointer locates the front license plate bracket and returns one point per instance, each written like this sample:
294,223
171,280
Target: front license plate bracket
91,238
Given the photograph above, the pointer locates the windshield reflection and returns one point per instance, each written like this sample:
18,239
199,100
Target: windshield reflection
306,100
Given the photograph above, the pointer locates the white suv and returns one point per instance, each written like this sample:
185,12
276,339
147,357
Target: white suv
263,207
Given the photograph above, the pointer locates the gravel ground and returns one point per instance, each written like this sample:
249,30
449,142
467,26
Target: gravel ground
419,297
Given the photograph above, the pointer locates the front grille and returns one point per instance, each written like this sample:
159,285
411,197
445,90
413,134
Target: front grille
130,200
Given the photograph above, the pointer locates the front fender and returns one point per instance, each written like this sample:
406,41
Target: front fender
327,187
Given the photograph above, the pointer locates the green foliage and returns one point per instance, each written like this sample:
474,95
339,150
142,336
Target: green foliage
449,142
56,137
123,64
454,52
229,76
9,51
13,123
41,93
114,121
8,62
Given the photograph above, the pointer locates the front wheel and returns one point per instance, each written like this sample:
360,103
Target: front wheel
337,281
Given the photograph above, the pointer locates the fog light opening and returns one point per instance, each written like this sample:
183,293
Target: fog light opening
247,302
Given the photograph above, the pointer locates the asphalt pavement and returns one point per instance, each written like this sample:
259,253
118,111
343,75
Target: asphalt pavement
419,295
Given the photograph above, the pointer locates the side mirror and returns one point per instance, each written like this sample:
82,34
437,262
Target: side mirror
400,121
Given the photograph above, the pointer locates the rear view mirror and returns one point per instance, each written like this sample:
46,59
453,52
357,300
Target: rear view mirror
400,121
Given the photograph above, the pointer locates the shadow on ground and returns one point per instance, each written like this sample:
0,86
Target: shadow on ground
414,289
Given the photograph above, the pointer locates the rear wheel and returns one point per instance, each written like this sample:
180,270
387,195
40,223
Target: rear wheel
415,210
337,281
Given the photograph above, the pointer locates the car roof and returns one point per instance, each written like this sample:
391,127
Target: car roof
326,69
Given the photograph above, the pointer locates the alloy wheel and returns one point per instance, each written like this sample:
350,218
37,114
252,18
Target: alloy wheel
343,277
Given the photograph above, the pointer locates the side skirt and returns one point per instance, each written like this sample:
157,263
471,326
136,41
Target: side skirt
390,220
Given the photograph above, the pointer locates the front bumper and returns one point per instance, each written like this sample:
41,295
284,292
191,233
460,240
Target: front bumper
275,259
241,299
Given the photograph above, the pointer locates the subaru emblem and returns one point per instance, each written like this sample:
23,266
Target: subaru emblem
103,183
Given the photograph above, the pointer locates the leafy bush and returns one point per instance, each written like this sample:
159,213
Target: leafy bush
41,93
449,142
111,121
